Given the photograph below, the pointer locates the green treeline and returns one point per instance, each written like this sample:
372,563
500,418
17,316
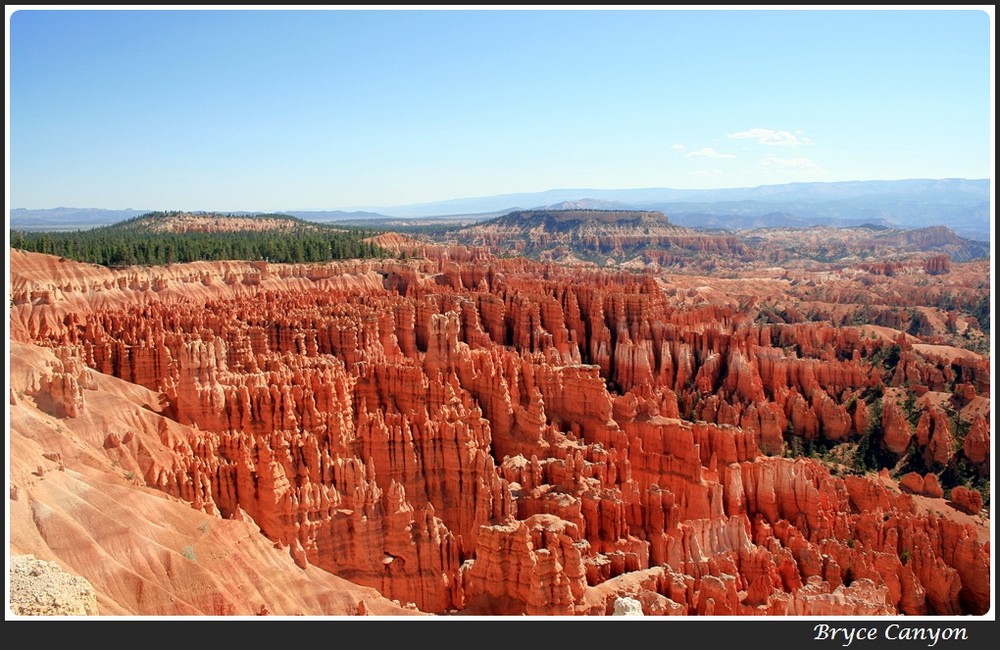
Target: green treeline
116,246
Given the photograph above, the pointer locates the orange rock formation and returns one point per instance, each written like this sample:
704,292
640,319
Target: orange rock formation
478,435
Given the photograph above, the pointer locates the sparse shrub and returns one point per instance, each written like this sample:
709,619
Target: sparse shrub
188,552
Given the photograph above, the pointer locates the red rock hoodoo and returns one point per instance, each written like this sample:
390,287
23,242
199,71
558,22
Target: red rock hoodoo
498,436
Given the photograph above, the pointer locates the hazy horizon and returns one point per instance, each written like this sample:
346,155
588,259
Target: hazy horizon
597,192
331,109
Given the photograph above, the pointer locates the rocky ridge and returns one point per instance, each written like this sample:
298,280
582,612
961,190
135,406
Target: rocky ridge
209,222
615,235
647,239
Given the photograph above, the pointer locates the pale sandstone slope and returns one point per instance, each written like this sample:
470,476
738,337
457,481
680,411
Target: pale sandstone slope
75,499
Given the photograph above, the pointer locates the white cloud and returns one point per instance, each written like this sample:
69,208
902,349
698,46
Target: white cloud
772,137
676,146
773,162
709,152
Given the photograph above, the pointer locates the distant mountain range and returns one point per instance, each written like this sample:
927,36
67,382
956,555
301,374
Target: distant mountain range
961,204
68,218
327,216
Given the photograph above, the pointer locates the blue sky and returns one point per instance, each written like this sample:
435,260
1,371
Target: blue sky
333,109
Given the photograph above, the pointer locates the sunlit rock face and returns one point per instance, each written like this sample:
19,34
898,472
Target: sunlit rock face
506,437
